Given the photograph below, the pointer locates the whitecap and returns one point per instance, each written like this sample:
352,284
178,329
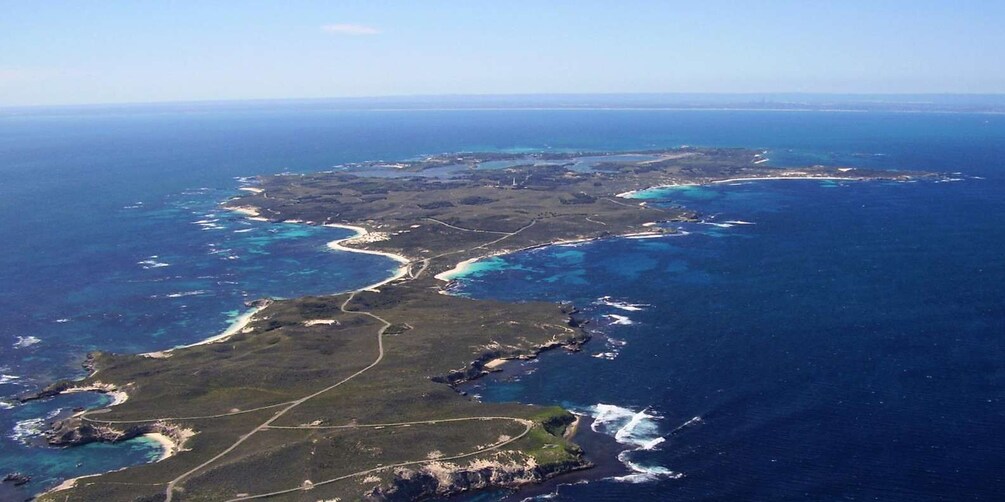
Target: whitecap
181,294
26,341
619,319
631,307
25,429
740,222
643,473
610,356
152,263
616,342
63,320
692,421
639,429
8,378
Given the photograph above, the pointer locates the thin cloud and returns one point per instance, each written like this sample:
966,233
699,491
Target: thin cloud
350,29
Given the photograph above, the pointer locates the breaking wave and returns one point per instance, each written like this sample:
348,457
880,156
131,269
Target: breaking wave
151,262
28,428
619,319
631,307
26,341
638,429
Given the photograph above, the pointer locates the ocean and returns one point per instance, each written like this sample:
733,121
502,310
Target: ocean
810,339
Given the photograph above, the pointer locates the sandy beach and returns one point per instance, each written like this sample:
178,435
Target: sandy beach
361,234
462,267
118,396
239,324
245,210
495,363
171,446
168,446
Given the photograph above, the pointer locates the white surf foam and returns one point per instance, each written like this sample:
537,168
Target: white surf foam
631,307
8,378
643,473
637,429
614,346
182,294
27,428
740,222
610,356
26,341
152,262
619,319
689,423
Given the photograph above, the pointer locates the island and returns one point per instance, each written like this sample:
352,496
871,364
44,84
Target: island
353,396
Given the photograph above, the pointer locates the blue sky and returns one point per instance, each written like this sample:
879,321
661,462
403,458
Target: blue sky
131,51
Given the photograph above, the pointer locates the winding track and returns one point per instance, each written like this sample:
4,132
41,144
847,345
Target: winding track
289,405
528,425
441,222
169,491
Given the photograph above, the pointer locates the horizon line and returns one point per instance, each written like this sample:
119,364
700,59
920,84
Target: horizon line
417,98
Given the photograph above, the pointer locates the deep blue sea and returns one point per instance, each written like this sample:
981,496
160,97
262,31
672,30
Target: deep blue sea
810,340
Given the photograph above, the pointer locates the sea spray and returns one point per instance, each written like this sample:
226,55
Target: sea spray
637,429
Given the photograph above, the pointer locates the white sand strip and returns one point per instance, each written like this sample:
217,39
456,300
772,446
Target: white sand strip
168,446
766,178
360,234
118,396
239,324
245,210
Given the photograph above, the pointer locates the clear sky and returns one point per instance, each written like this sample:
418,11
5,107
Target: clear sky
67,52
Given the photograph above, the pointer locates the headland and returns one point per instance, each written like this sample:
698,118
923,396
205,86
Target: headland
352,395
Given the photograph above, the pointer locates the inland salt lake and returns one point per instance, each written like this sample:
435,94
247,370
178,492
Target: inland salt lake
810,339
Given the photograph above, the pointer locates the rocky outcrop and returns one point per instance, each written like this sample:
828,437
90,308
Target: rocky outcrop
67,386
441,479
50,391
260,303
75,431
16,478
477,368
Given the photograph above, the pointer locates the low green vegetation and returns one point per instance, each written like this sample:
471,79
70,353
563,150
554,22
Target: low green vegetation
350,396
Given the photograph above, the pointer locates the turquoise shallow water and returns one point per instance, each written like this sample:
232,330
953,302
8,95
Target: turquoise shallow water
845,345
808,340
